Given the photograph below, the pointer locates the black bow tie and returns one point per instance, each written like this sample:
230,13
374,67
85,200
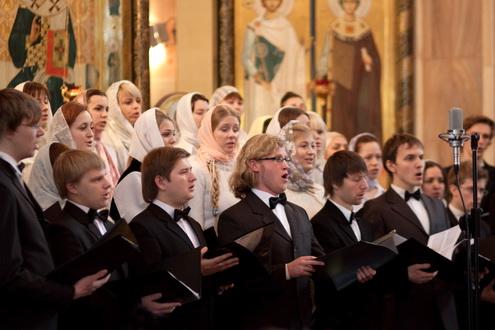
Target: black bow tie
273,201
181,214
416,195
352,218
93,214
21,166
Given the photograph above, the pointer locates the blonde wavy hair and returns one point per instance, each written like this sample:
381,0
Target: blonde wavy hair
259,146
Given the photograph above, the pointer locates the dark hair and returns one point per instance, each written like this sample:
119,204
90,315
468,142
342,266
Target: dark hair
287,96
265,124
15,106
465,172
392,146
197,97
35,89
289,113
159,161
364,139
93,92
339,166
470,121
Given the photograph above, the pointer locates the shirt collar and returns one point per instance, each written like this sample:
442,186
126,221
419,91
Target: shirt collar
345,211
263,195
457,213
9,159
401,192
85,209
164,206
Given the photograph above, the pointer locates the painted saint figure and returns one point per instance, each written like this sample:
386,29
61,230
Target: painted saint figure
273,59
351,63
43,46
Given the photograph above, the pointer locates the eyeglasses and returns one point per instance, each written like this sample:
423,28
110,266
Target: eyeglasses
357,178
277,159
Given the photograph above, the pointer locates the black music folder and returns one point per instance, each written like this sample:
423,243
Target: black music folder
250,248
115,248
341,265
178,279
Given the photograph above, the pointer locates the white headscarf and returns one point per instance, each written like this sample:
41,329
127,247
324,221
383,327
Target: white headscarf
59,131
220,93
185,123
146,135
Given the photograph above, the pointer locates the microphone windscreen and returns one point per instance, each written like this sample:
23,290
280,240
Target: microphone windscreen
455,119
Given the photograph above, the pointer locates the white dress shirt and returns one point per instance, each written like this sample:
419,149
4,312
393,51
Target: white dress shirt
347,214
97,222
279,210
183,224
417,207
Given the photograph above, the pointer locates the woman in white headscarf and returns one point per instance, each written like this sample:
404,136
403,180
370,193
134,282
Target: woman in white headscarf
40,93
300,145
152,130
190,111
124,108
71,126
230,95
213,164
283,116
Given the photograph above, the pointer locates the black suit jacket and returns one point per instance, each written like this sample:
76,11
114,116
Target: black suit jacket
70,235
277,302
425,306
356,307
27,299
159,238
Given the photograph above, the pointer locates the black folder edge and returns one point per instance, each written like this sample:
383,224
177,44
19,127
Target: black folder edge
118,242
341,265
178,278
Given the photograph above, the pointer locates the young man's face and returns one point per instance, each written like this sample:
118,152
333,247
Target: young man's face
485,133
407,170
352,190
467,193
273,174
25,138
92,190
180,188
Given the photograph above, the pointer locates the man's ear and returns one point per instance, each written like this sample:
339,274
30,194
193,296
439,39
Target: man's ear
72,188
254,166
161,183
453,189
390,165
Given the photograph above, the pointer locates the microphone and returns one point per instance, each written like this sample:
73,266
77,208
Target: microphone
455,135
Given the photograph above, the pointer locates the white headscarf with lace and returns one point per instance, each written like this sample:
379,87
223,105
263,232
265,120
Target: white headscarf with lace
186,124
146,135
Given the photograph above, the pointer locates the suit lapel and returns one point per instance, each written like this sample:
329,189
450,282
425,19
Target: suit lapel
341,221
266,215
170,223
402,209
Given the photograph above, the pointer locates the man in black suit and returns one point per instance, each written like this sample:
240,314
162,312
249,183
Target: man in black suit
164,230
335,226
260,178
27,299
422,302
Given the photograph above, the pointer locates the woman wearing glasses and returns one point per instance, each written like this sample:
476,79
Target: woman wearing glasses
301,147
218,138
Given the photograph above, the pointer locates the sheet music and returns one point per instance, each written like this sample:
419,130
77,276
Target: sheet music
445,241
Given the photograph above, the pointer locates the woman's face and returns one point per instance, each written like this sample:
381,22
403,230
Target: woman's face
271,6
81,131
349,6
236,103
305,151
434,183
167,131
199,110
372,155
98,108
129,104
226,134
42,99
319,136
336,144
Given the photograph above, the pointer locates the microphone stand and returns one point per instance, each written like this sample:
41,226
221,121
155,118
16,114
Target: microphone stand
474,229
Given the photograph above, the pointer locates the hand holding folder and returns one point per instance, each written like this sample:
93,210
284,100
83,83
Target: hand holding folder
115,248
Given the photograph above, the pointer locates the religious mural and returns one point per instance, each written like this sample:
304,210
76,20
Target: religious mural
64,44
